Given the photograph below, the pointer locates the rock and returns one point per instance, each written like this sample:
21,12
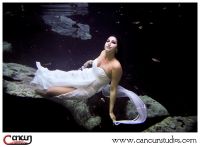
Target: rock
154,109
18,72
67,27
16,81
80,111
7,47
58,17
83,31
175,124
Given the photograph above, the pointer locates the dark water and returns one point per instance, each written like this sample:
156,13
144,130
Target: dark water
166,32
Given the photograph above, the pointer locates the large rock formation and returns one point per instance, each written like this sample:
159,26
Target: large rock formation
16,81
58,17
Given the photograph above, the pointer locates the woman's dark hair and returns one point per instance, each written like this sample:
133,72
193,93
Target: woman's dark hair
119,53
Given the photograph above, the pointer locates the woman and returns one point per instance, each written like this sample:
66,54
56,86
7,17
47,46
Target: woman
85,82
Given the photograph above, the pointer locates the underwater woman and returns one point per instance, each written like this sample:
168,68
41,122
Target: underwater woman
100,74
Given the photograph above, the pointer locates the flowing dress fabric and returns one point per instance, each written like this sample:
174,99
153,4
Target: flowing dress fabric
135,99
87,82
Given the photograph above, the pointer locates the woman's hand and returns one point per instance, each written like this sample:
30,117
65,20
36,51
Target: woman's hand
87,64
112,116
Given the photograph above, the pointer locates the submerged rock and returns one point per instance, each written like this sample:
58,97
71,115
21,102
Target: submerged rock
58,17
154,109
7,47
68,27
175,124
16,81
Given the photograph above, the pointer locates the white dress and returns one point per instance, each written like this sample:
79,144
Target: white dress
87,82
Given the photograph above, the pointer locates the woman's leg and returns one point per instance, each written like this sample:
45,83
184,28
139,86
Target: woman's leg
55,91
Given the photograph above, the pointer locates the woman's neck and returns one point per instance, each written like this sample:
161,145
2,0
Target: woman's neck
109,55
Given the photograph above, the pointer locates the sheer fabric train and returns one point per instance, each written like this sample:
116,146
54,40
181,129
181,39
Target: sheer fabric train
135,99
87,82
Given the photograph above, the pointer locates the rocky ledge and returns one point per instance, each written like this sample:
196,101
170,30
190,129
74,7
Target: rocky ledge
16,82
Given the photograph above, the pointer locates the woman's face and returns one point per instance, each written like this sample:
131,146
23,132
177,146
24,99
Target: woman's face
111,44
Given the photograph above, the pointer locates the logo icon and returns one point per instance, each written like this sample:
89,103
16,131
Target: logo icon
17,139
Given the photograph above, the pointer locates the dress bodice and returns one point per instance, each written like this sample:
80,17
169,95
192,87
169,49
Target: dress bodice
101,78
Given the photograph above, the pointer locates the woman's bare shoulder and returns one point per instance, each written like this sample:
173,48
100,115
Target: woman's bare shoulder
117,64
116,70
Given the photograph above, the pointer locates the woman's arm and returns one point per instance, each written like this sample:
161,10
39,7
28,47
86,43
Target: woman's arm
87,64
116,76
